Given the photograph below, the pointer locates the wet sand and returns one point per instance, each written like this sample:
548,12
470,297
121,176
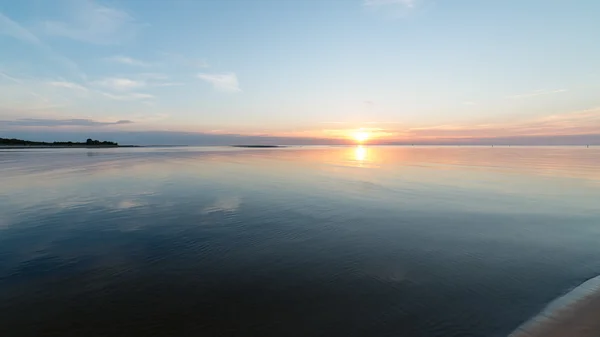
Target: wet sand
576,314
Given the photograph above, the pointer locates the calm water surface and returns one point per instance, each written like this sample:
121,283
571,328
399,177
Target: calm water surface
331,241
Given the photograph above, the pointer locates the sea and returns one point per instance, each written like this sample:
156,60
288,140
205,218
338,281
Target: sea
297,241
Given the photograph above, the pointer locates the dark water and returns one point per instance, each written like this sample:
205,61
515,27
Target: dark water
373,241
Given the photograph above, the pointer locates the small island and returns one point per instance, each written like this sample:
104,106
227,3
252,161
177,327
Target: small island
258,146
19,143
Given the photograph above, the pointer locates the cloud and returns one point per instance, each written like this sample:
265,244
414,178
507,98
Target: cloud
129,96
186,61
120,84
68,85
93,23
152,76
11,28
129,61
228,138
539,93
60,122
378,3
10,78
227,82
575,127
145,117
123,84
570,123
169,84
198,63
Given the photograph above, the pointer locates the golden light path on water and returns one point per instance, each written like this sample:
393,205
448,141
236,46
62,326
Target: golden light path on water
360,153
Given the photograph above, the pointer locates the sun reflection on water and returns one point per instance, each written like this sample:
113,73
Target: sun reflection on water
360,153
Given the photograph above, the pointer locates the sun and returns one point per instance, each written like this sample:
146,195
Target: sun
361,136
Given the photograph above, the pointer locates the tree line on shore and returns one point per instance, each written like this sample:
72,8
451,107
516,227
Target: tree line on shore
88,142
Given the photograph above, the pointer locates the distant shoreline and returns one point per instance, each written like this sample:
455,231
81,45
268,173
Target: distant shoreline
15,143
64,146
24,147
259,146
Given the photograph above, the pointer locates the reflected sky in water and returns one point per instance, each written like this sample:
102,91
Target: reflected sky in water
301,241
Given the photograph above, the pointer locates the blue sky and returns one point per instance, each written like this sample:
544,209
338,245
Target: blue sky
397,69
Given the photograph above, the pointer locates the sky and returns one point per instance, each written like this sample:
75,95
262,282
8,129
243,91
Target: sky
301,71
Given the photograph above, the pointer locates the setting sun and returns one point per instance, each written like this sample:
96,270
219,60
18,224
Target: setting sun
361,136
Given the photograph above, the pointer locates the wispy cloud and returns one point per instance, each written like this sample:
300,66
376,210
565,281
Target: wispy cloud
169,84
11,28
134,82
185,61
35,94
156,80
20,94
538,93
94,23
547,129
378,3
227,82
135,96
152,76
68,85
60,122
129,61
145,117
10,78
120,83
570,123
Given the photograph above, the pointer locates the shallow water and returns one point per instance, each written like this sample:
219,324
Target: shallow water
310,241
